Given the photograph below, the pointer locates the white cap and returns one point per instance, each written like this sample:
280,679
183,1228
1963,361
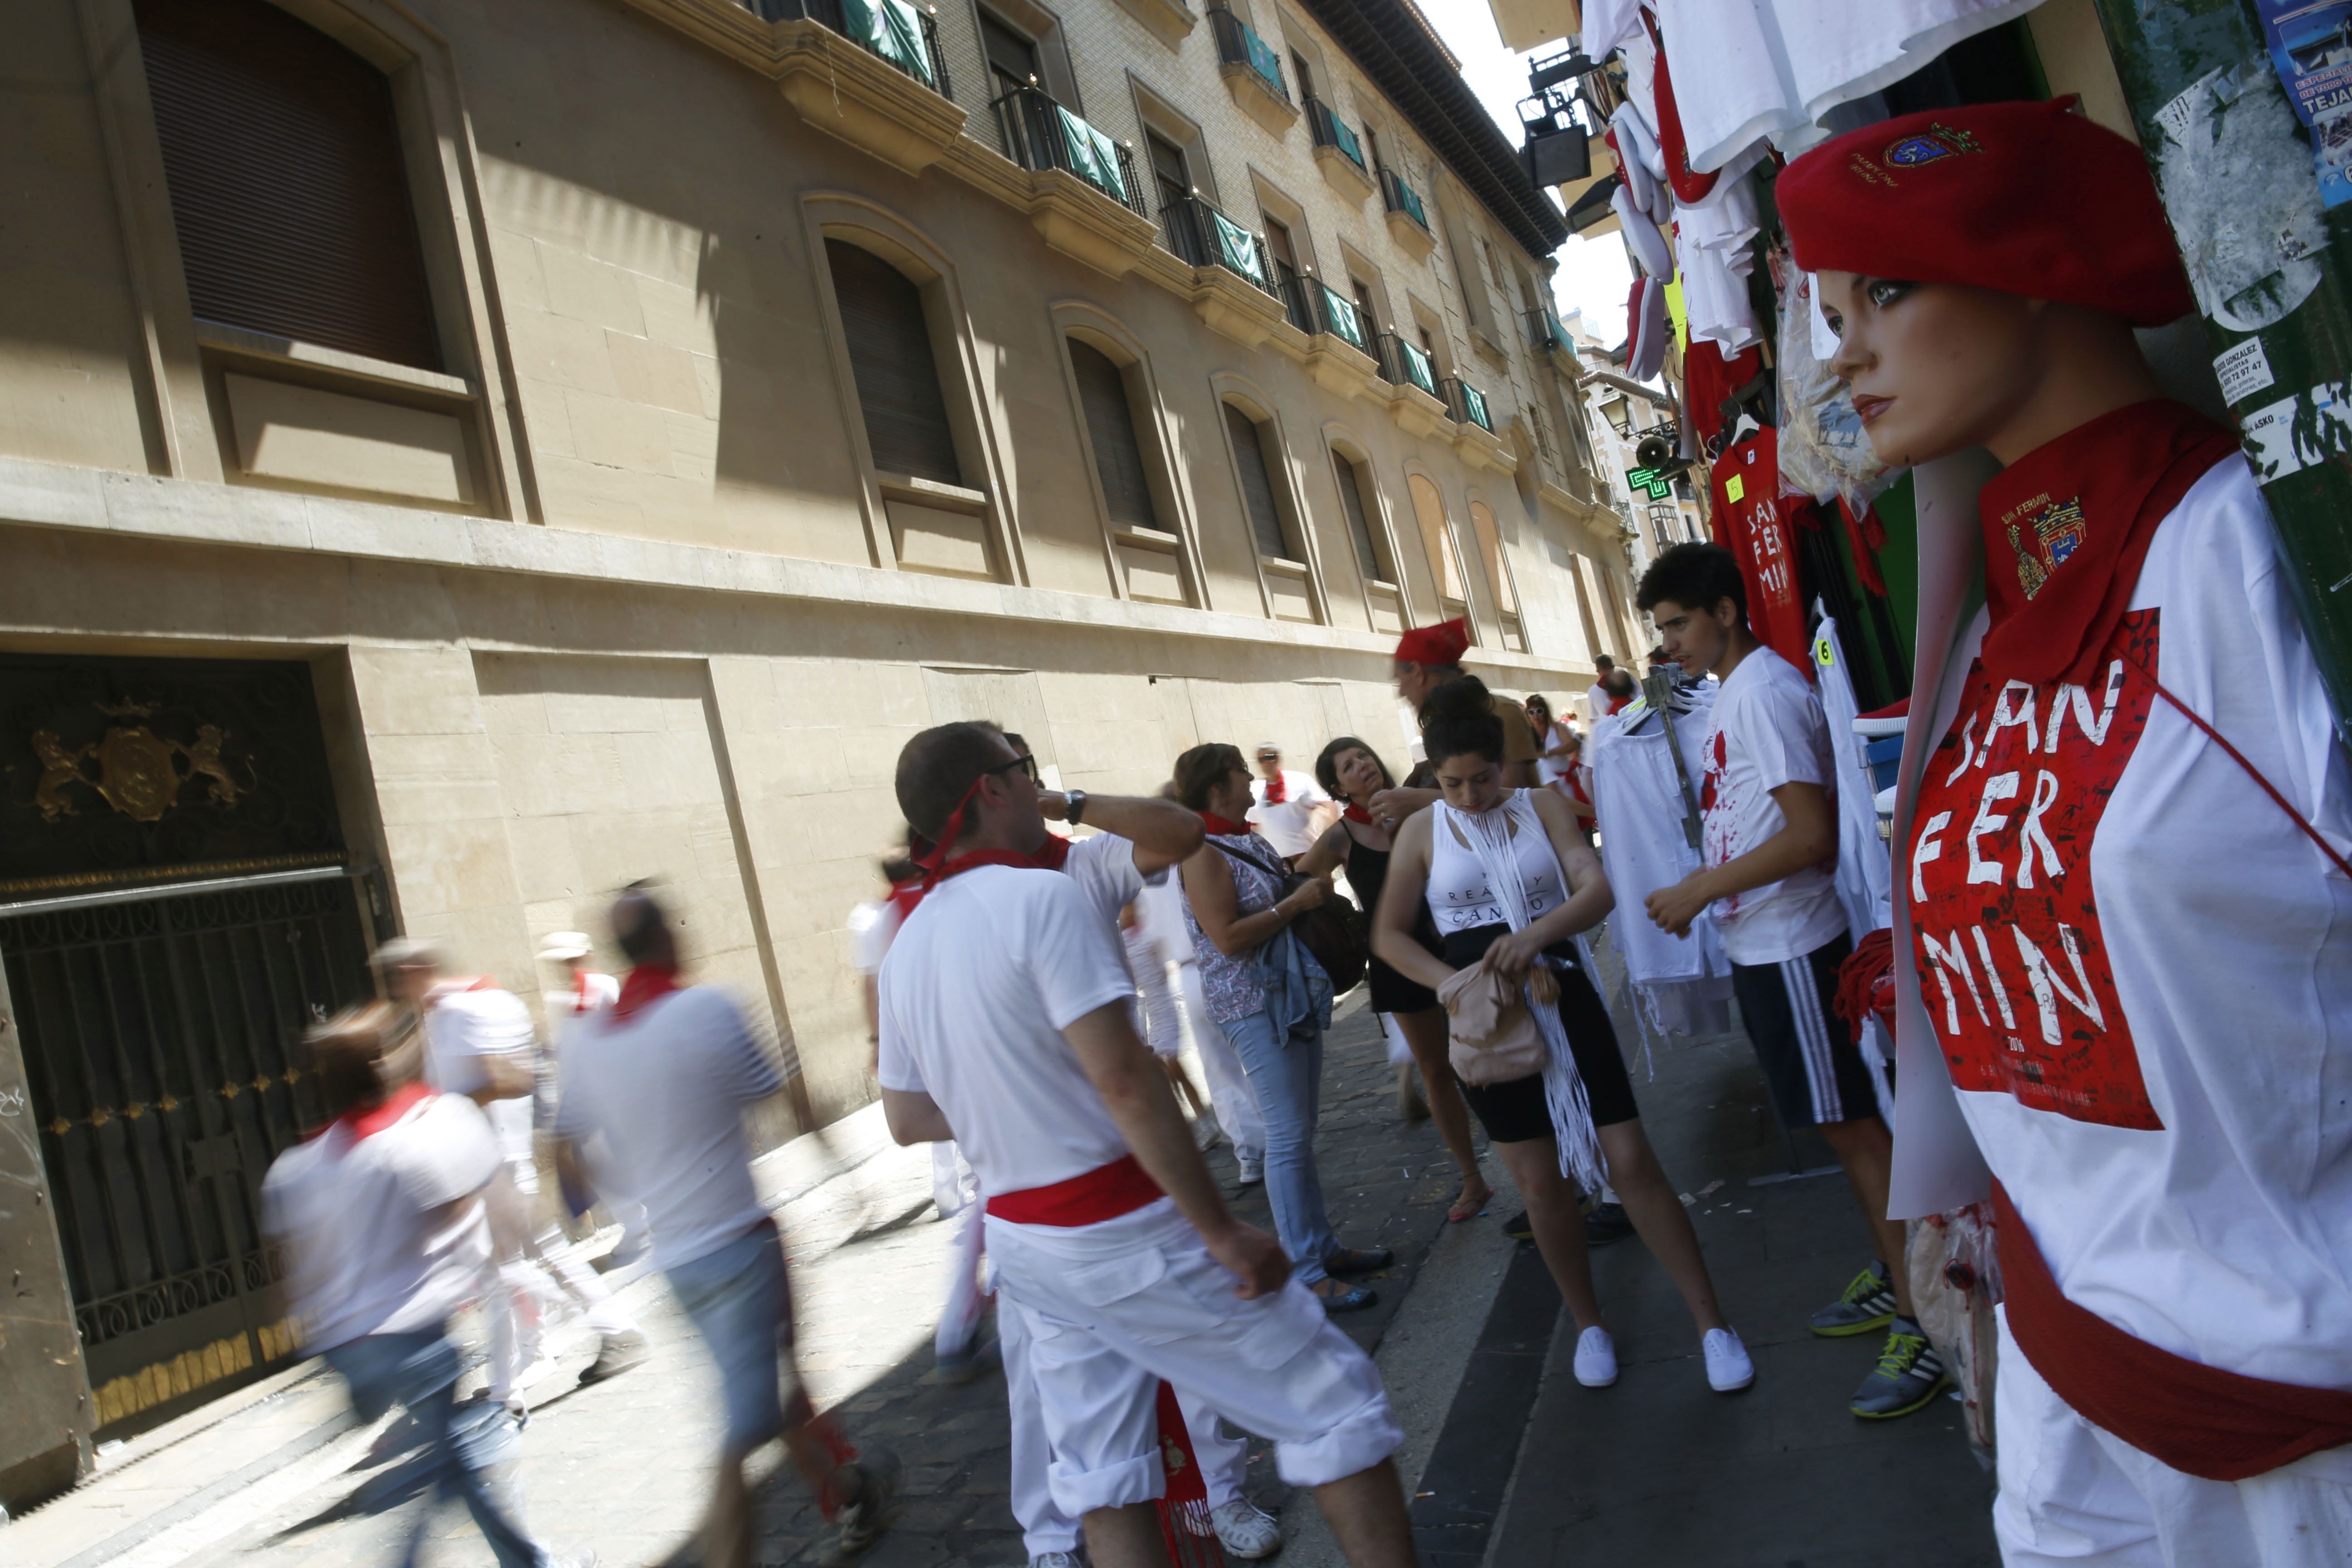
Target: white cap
564,946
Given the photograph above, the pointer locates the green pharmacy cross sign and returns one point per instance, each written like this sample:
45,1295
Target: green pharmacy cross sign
1656,481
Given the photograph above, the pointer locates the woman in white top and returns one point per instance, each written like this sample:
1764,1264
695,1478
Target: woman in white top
1509,882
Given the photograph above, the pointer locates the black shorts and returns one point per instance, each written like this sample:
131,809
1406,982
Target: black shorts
1516,1112
1392,992
1815,1070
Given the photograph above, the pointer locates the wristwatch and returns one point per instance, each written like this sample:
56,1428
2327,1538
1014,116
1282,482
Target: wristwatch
1074,805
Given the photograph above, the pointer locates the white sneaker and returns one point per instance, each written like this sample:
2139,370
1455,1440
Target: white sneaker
1728,1370
1253,1169
1246,1530
1596,1358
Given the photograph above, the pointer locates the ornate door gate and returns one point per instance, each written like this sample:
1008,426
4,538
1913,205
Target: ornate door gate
159,1035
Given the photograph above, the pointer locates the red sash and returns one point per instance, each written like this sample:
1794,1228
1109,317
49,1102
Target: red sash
1104,1193
2197,1419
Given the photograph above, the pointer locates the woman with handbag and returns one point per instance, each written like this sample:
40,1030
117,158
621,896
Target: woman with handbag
1351,771
1509,882
1272,998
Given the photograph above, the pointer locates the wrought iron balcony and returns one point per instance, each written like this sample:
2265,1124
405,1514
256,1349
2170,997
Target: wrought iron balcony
1330,131
1545,331
1406,364
898,32
1337,314
1401,197
1237,46
1467,403
1039,133
1207,238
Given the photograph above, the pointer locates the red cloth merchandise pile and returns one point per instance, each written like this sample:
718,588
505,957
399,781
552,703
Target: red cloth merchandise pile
1756,522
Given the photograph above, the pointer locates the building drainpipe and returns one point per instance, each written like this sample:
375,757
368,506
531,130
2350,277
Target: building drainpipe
2270,266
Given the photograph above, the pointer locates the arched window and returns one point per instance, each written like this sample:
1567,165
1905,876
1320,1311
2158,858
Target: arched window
1110,429
1254,466
1445,565
1355,500
1490,554
282,149
890,340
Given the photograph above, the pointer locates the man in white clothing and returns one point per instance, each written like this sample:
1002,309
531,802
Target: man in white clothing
1596,696
1006,1024
1290,809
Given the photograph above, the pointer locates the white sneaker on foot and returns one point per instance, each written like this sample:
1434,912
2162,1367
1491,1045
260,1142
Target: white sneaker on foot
1253,1169
1596,1358
1728,1370
1246,1530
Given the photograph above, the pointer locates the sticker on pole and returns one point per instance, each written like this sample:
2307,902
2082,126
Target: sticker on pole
2310,45
2244,371
2299,431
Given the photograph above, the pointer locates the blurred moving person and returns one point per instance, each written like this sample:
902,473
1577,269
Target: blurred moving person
386,1216
651,1110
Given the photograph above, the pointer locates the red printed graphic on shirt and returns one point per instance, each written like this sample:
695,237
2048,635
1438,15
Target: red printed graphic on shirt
2013,964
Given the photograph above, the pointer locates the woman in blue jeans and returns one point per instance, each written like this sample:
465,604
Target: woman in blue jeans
1273,1000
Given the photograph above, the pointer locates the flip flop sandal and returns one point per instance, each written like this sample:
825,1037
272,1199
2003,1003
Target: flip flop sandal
1464,1209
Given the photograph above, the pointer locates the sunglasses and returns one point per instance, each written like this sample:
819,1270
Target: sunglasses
1027,764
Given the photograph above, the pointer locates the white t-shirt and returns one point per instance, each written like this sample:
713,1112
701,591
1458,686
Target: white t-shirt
656,1101
1596,703
2139,972
592,993
1550,770
1768,731
979,983
1285,826
871,926
383,1236
465,1020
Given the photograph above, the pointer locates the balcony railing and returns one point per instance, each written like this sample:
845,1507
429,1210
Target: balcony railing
1401,197
893,30
1338,315
1403,364
1330,131
1467,404
1237,46
1039,133
1207,238
1545,331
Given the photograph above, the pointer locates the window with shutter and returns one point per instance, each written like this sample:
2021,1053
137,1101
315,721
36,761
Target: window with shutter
1352,501
1257,484
1429,510
281,150
1490,550
1110,428
898,377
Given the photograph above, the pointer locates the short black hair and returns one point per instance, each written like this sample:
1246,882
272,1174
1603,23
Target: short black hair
939,765
1458,718
1604,662
1697,577
1326,765
637,921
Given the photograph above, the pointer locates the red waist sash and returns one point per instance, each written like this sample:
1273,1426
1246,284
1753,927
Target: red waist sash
1104,1193
2196,1419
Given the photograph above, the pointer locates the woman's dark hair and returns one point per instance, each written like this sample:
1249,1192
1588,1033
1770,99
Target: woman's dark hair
1201,769
1458,718
1697,576
1540,704
1326,766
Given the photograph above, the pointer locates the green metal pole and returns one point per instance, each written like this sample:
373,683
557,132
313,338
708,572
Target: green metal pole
2273,269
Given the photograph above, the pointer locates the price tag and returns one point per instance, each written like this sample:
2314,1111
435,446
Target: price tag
1735,488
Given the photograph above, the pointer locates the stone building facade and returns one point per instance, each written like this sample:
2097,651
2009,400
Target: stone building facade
459,456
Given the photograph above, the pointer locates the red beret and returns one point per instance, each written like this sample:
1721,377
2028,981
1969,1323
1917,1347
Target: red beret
2026,199
1441,643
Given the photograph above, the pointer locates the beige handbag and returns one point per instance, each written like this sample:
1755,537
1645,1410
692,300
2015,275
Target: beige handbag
1492,1036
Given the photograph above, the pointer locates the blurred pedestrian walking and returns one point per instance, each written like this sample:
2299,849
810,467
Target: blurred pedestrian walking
385,1216
651,1110
1286,808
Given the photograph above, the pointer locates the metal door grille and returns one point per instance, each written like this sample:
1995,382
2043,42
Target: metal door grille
158,1043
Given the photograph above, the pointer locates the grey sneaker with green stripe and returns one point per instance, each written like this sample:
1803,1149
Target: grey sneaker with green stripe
1868,1303
1908,1374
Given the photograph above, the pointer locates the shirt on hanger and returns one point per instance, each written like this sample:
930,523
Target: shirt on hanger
1756,522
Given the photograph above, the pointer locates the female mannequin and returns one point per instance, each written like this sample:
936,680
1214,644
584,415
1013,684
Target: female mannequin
2136,968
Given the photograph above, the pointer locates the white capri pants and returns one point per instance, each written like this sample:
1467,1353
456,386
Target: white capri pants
1111,1309
2073,1495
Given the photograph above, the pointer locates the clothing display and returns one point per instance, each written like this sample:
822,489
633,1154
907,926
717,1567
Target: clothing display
1715,296
1711,378
1768,730
1756,522
1645,327
1643,236
1865,873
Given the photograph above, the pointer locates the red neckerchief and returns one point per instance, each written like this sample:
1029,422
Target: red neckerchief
1356,814
367,1123
1047,856
1223,827
1689,185
645,982
1277,789
2067,526
1618,703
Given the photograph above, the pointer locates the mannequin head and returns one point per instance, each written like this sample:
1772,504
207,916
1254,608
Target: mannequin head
1936,368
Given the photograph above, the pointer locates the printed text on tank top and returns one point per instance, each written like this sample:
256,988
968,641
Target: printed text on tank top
1459,895
2013,964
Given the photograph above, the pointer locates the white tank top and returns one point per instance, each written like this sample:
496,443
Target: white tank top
1460,897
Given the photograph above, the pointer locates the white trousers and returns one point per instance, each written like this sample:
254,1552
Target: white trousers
1045,1526
967,1303
1230,1094
2072,1494
547,1279
1112,1309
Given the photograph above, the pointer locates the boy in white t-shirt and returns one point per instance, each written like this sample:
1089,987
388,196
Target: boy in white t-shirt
1768,852
1006,1023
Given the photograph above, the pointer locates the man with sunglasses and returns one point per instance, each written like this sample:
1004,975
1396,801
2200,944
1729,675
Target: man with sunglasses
1005,1018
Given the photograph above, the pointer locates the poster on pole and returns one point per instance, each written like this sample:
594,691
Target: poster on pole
2310,45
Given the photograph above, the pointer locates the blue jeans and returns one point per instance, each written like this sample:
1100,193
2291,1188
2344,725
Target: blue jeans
739,1300
465,1446
1287,1075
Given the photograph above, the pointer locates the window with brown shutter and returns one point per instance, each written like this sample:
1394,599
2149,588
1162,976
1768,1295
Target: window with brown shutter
1110,428
891,353
282,154
1360,521
1257,484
